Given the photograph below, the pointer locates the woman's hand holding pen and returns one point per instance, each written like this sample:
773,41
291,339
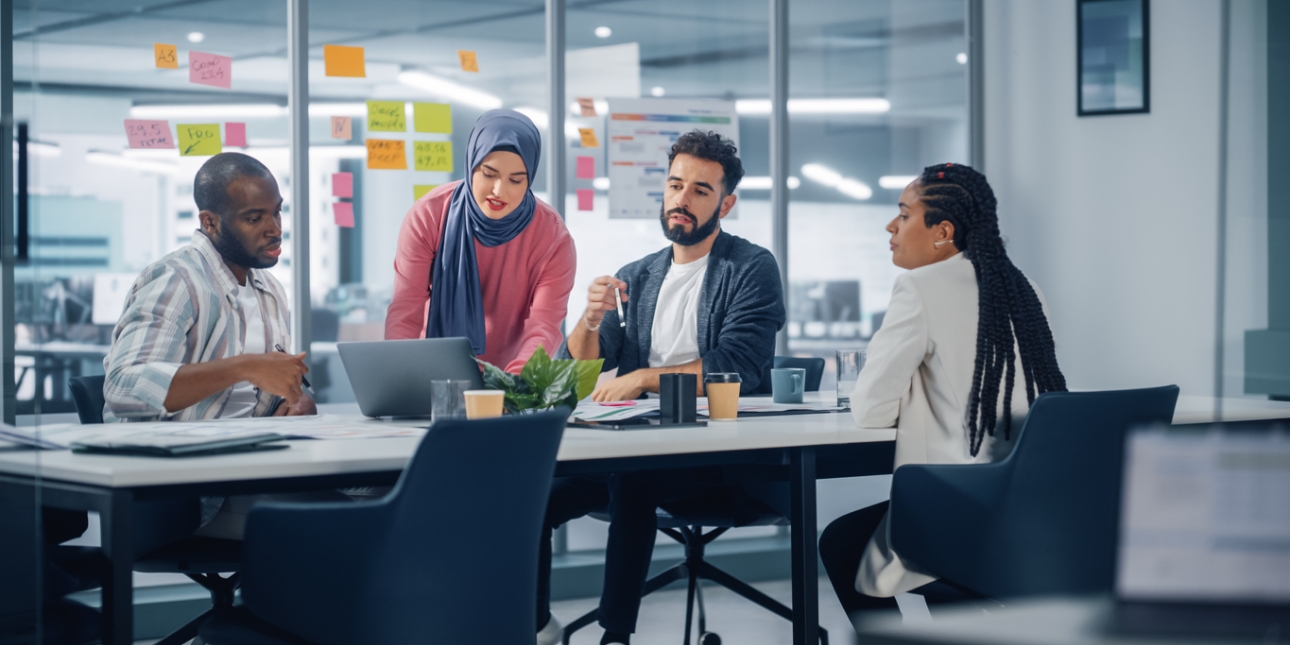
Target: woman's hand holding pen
602,297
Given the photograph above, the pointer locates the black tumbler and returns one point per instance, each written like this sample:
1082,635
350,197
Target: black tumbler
676,397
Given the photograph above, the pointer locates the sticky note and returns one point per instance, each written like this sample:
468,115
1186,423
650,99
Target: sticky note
339,60
433,155
386,116
342,184
210,69
587,106
588,138
167,56
344,213
199,139
432,117
386,154
420,190
342,128
586,198
235,135
468,61
586,167
149,134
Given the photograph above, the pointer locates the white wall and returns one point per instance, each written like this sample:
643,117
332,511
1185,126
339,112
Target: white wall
1114,216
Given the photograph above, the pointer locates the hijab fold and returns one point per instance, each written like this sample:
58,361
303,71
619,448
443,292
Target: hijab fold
456,296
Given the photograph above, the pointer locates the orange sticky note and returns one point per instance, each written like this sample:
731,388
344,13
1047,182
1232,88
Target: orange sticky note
166,56
468,61
386,154
344,214
588,137
339,60
587,106
342,128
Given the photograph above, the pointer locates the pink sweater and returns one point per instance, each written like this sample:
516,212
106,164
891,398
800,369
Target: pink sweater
525,282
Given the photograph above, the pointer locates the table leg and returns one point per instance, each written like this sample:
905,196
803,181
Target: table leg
806,602
117,526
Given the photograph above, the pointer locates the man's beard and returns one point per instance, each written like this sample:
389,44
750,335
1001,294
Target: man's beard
678,235
234,251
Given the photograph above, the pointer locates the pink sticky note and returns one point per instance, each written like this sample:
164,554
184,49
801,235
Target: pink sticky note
210,69
586,167
235,135
342,184
586,197
149,134
344,212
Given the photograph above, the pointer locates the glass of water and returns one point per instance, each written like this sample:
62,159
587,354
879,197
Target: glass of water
850,362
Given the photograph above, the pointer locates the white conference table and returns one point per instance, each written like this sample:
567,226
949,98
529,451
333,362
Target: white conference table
800,448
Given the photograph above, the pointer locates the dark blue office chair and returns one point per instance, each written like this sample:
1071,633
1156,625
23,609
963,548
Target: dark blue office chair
814,369
449,556
1041,521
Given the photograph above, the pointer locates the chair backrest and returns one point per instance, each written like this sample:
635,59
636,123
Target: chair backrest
458,563
814,369
1041,521
87,392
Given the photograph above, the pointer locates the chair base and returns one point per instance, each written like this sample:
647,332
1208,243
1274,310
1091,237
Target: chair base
693,569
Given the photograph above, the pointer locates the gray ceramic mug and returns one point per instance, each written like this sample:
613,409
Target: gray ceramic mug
788,384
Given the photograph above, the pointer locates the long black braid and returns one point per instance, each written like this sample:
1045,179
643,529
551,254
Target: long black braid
1008,306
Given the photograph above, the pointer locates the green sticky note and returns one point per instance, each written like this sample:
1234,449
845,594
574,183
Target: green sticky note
434,155
420,190
386,116
432,117
199,139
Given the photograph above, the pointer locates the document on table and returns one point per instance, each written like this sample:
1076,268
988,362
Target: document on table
615,410
43,437
756,406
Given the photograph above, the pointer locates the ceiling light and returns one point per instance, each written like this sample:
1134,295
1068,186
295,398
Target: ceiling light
214,111
817,106
856,189
337,109
961,58
896,182
600,183
822,174
604,32
106,159
764,183
196,37
450,90
657,91
40,149
538,117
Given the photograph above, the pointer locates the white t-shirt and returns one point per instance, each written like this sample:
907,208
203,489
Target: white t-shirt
242,402
674,338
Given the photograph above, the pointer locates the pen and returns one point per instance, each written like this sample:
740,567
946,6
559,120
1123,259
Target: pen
302,378
618,300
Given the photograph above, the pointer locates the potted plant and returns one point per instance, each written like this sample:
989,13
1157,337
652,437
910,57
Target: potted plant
543,383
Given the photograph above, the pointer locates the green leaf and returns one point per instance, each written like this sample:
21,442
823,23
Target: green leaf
536,370
564,384
496,378
588,372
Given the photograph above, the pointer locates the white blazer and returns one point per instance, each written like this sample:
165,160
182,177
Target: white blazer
917,378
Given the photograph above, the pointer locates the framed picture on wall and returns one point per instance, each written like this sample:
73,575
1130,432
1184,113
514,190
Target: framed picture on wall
1114,45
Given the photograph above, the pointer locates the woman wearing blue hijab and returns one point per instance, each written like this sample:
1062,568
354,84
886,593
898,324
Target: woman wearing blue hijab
494,264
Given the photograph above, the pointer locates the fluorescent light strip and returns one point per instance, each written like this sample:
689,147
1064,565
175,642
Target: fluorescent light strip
764,183
823,174
896,182
40,149
602,108
450,90
817,106
107,159
214,111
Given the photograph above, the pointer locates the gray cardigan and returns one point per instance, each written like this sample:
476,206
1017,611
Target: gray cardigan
741,308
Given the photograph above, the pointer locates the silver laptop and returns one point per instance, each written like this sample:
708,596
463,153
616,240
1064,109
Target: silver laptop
1205,533
391,378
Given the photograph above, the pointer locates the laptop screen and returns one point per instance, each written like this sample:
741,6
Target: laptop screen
1205,517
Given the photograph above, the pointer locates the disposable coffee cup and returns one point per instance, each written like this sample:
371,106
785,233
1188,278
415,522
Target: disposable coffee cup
723,395
484,404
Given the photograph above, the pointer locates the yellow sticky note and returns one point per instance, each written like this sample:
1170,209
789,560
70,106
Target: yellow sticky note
199,139
166,56
420,190
339,60
386,116
386,154
588,137
468,61
433,155
432,117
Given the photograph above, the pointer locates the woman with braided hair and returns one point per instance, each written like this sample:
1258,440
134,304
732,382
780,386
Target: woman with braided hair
964,347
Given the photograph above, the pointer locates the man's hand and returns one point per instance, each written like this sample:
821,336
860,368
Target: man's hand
623,388
601,298
277,373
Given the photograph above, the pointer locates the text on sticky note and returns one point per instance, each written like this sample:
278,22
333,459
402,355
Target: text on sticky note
210,69
167,56
149,134
342,128
420,190
587,106
339,60
468,61
588,136
386,154
386,116
433,155
586,167
235,135
199,139
342,184
344,213
586,199
432,117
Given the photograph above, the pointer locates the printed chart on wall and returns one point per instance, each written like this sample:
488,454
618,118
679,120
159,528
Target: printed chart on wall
640,132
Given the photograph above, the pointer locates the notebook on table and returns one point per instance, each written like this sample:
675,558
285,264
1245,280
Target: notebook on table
192,441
